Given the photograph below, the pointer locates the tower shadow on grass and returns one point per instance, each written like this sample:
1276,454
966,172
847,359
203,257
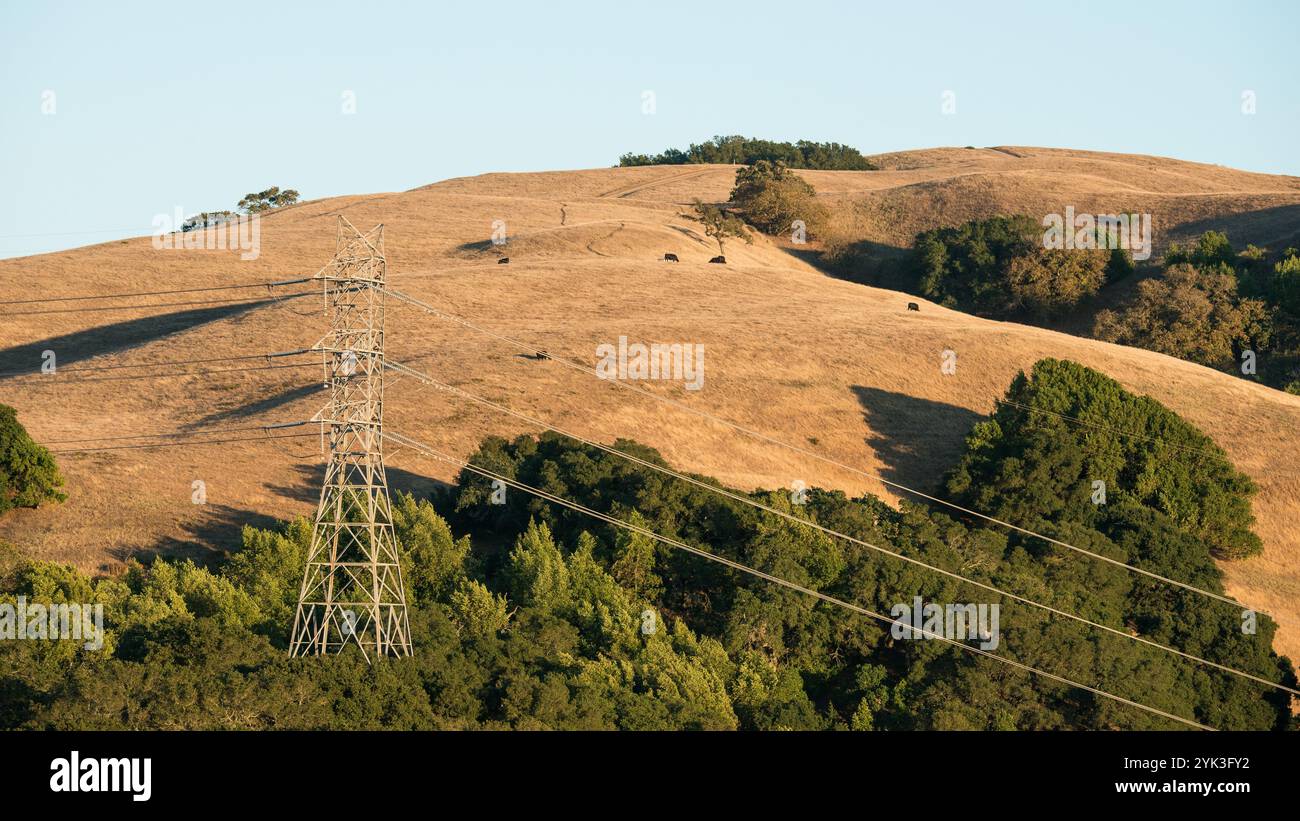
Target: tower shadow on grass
917,440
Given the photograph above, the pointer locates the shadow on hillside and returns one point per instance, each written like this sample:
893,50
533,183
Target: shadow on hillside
1277,227
692,235
305,486
216,533
865,262
812,256
418,485
917,440
117,337
209,539
482,247
280,399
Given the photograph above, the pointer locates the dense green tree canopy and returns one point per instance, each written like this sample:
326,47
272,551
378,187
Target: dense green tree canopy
1193,313
28,474
1065,427
999,267
1208,303
746,151
775,200
538,617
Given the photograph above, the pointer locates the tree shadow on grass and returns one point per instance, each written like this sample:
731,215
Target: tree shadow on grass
306,486
1277,226
917,440
207,540
419,486
217,531
864,262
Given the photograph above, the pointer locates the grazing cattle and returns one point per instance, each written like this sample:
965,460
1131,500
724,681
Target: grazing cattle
671,257
912,306
719,260
503,261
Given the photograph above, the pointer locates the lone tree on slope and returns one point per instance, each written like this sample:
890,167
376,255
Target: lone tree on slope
28,475
720,224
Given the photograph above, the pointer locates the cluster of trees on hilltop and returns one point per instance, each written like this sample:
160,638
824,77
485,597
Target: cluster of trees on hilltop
576,624
267,200
747,151
208,219
254,203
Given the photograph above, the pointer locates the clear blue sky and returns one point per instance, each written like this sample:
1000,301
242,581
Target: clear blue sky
159,105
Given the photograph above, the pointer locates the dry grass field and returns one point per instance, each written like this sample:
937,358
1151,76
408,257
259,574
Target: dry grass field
917,190
841,369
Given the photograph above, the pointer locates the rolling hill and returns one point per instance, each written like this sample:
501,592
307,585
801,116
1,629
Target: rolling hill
919,190
841,369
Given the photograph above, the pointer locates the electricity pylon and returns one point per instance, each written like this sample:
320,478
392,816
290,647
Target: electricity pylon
352,588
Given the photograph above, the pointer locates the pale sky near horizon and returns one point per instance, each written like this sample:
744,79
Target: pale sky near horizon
156,107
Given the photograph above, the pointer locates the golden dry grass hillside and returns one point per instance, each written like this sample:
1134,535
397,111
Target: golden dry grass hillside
918,190
840,369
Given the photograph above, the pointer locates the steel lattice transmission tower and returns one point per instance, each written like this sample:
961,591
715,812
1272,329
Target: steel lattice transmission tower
352,588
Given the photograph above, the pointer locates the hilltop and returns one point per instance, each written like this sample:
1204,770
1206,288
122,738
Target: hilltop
919,190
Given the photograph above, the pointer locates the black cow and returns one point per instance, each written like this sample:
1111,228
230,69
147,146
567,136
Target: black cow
503,261
719,260
671,257
912,306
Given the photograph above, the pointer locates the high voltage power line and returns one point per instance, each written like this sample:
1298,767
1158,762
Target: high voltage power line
162,363
84,297
713,557
585,369
177,433
186,303
418,446
186,444
351,283
54,381
411,372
